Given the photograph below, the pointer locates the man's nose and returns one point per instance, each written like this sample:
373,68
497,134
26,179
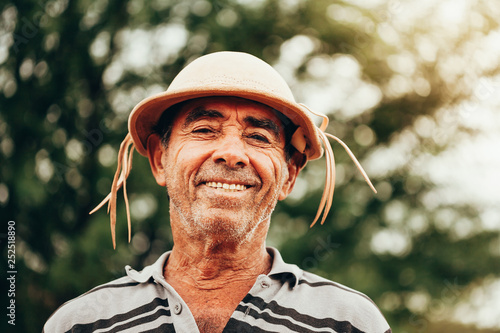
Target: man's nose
231,151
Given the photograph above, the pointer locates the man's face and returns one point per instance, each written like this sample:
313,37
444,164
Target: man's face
225,168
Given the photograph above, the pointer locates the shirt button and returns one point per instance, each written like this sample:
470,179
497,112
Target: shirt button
177,308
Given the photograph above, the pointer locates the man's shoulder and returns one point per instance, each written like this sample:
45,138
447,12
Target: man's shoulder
325,298
93,305
120,303
311,284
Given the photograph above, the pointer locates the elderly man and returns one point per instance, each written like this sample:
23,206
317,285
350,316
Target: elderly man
228,140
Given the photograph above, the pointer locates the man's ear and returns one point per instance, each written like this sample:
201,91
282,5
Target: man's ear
156,152
296,163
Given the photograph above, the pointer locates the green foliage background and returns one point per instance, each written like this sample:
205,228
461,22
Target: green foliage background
64,111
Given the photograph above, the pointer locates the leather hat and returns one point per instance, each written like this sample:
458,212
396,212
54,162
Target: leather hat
233,74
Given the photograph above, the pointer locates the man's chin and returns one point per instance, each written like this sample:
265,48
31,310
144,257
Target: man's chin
223,227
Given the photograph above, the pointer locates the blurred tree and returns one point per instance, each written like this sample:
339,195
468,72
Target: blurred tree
71,71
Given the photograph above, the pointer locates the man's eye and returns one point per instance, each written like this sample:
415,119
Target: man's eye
259,137
203,130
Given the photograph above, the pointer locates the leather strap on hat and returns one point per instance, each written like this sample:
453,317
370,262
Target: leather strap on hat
120,179
327,197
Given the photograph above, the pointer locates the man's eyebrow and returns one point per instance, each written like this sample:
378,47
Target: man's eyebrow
264,123
201,112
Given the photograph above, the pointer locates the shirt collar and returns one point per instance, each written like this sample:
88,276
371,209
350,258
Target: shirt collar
282,270
279,269
154,270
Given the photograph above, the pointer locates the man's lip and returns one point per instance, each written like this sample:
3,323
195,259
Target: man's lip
227,185
226,181
229,182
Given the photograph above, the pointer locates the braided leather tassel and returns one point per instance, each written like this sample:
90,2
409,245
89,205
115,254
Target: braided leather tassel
120,179
327,197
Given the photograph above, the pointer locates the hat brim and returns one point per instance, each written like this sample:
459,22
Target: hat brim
146,114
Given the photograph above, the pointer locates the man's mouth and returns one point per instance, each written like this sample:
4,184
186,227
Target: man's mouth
226,186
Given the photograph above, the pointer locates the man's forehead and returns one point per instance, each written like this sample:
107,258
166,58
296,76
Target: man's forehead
226,106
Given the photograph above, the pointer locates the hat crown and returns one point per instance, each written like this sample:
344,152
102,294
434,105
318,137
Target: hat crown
231,71
232,74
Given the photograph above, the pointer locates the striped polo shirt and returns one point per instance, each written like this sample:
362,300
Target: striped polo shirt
287,299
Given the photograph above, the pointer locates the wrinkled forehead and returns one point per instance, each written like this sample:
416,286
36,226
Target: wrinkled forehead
228,106
248,111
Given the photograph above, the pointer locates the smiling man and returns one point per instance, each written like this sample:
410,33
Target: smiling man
227,140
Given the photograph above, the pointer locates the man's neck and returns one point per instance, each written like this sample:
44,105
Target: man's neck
211,266
212,280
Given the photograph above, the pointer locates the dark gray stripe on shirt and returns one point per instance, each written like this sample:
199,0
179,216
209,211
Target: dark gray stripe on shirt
336,285
119,318
337,325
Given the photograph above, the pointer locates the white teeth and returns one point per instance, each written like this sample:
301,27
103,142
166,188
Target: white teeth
228,187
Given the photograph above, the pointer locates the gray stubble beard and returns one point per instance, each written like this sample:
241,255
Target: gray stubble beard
222,231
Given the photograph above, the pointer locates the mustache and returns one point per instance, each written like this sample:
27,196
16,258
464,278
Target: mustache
221,172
